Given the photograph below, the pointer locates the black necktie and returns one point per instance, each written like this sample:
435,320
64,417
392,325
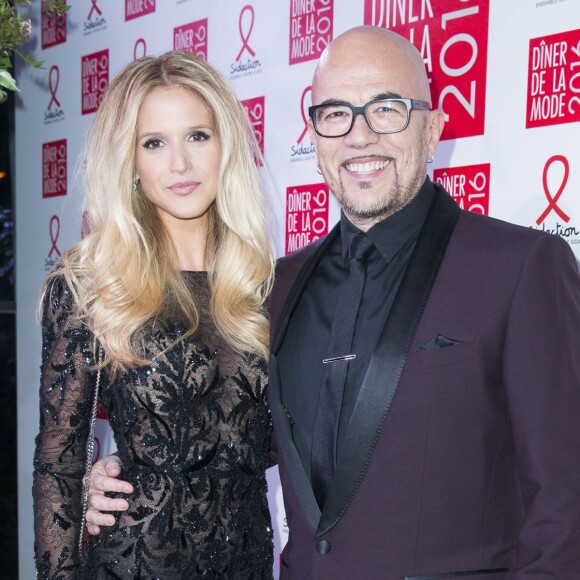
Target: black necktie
335,367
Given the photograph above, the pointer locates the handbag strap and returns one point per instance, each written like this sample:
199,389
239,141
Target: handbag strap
90,452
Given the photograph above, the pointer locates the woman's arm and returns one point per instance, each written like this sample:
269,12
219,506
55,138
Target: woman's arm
60,453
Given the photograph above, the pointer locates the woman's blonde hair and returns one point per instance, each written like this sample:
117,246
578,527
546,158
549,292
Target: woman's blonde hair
123,273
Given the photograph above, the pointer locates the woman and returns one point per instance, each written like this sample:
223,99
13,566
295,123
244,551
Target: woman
166,295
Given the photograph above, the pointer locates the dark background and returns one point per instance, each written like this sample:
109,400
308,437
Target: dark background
8,471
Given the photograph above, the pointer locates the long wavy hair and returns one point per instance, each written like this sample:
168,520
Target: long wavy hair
123,273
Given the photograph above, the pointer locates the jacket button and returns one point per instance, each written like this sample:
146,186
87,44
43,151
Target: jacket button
323,547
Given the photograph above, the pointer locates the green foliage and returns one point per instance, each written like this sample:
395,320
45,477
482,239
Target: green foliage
14,30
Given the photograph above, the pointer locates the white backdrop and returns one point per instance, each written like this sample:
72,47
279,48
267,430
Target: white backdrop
507,75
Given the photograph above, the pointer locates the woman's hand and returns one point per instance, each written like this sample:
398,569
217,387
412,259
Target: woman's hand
104,478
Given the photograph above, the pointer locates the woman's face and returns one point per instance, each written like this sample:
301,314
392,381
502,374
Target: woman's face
177,156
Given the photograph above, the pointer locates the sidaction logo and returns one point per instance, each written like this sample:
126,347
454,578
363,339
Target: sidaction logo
303,149
246,63
555,218
54,252
95,21
54,111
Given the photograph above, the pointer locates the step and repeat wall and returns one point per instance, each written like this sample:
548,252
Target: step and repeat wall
506,74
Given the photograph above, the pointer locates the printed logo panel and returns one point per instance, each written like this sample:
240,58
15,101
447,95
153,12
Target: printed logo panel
137,8
306,215
468,185
94,80
54,168
255,109
451,35
311,24
53,27
554,80
192,37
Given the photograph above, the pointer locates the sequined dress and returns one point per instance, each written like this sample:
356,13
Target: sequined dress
192,432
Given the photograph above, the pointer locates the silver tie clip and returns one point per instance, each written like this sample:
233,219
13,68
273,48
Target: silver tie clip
337,358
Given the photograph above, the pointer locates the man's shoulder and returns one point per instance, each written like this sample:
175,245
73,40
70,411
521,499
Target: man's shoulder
505,241
478,225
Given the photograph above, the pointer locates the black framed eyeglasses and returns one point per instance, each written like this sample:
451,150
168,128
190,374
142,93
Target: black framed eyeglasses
381,115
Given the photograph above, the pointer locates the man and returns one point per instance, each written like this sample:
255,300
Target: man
442,439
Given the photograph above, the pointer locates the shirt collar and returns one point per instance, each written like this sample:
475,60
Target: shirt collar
392,233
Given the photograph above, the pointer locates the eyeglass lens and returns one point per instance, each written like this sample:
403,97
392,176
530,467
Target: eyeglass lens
386,116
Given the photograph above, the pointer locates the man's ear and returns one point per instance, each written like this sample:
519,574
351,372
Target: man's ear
311,132
435,127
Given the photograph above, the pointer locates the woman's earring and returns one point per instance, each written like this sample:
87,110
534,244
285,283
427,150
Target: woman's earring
430,159
135,183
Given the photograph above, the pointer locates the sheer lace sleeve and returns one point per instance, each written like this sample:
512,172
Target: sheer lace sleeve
59,458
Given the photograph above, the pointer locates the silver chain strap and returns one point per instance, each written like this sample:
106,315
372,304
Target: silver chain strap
90,452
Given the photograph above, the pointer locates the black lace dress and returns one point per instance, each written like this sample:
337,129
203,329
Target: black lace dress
192,432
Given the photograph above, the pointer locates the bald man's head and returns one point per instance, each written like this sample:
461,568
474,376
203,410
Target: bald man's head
365,45
372,174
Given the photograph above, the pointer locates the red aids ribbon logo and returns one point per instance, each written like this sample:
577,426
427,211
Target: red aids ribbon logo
94,8
553,200
303,110
53,85
140,49
246,37
54,229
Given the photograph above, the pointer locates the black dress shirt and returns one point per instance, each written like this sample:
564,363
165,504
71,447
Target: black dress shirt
305,343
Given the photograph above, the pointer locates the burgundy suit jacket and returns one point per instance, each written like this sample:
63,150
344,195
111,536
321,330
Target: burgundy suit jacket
463,461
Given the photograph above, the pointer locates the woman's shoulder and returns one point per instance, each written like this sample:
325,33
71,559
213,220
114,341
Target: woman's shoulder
57,295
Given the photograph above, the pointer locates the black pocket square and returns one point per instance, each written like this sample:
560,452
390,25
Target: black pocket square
437,342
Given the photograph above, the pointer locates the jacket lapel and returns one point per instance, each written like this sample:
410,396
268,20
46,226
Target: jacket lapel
389,357
281,309
286,449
